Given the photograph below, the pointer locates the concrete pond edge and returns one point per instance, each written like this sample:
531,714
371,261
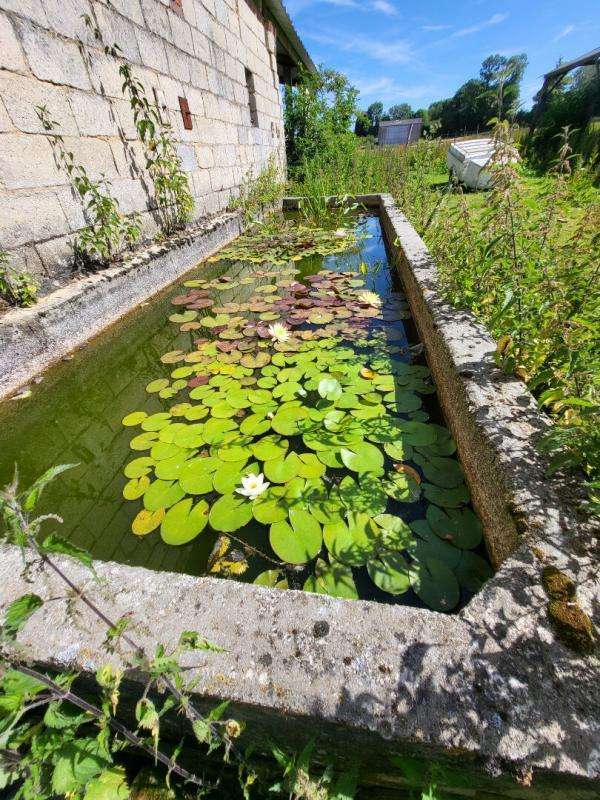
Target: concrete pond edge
33,338
490,698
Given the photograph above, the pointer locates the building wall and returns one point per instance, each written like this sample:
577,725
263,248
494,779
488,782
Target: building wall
49,57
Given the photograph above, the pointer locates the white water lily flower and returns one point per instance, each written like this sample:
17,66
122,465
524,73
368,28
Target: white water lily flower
279,332
341,232
370,299
253,486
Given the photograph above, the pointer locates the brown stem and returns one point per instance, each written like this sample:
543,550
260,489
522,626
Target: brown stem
66,694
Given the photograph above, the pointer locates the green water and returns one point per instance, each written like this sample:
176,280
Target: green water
74,416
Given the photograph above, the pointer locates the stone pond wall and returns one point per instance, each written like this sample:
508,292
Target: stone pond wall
199,50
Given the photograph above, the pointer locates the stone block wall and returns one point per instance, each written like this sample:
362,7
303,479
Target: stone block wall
199,50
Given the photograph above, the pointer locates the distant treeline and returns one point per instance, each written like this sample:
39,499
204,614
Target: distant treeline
495,94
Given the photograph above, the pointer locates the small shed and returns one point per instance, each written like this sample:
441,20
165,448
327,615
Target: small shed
400,131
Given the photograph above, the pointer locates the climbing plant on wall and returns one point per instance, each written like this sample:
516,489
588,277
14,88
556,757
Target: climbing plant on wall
174,200
108,229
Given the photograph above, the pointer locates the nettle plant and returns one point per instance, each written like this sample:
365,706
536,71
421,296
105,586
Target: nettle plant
16,288
61,737
174,200
258,194
56,739
108,229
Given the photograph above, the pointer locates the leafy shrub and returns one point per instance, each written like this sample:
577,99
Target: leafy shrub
16,288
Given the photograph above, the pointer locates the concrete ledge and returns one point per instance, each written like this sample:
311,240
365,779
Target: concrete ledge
489,699
33,338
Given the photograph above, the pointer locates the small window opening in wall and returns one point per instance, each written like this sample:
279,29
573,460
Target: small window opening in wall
186,114
251,98
177,7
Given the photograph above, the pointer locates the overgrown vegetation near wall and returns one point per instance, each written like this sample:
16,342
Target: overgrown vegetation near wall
523,257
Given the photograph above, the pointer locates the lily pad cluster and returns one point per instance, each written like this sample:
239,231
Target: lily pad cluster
297,414
287,241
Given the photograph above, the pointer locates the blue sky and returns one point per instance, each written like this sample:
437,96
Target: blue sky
400,51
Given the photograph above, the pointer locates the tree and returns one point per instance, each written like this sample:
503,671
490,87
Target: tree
367,123
374,113
400,111
318,114
501,77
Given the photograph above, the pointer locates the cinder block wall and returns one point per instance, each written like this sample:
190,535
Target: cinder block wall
200,51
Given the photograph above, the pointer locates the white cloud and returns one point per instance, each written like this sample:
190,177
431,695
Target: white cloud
435,27
388,90
495,19
396,52
385,7
565,32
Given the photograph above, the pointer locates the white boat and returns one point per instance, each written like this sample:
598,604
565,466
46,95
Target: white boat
467,161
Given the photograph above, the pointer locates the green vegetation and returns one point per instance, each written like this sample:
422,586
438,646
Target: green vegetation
523,257
16,288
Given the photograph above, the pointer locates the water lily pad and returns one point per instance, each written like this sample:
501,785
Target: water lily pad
157,385
162,494
459,527
311,467
272,578
270,507
330,389
147,521
363,457
367,496
352,542
394,532
435,584
390,572
335,580
444,472
133,419
230,513
254,425
299,540
184,521
269,448
255,361
472,571
136,487
282,469
448,498
139,467
195,477
402,487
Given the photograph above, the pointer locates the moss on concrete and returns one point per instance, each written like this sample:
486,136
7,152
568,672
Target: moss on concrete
572,625
558,586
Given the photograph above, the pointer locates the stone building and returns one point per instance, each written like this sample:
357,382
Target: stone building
213,68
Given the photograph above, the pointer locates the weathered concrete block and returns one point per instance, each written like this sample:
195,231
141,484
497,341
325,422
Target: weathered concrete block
152,50
32,9
52,59
27,161
104,74
129,8
66,17
26,218
56,255
157,19
26,259
93,114
187,157
11,55
119,30
181,33
21,95
6,123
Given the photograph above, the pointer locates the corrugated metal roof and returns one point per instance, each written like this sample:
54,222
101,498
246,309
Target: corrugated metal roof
401,121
